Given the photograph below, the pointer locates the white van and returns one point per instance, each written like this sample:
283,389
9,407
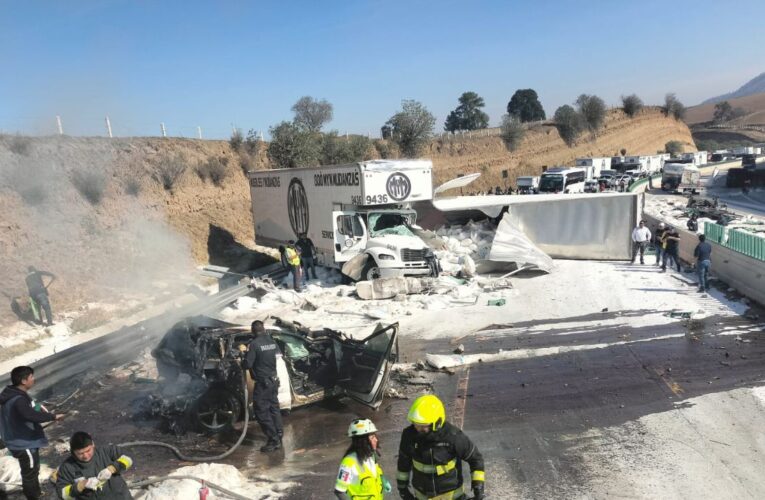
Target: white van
528,184
347,211
562,180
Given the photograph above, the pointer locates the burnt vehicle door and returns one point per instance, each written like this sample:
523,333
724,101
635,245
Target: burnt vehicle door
364,365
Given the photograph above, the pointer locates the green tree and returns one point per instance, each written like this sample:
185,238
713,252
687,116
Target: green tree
593,111
632,105
569,123
411,127
674,147
337,150
673,107
468,115
311,113
525,106
294,146
724,112
512,132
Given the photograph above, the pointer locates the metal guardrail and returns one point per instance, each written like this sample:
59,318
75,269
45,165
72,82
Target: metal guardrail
742,242
123,345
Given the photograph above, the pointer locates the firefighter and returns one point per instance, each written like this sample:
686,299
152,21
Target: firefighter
432,451
360,476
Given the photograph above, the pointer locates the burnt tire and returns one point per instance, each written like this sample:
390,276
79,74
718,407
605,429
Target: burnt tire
371,270
216,410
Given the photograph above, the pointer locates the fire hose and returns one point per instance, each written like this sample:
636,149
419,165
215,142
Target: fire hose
182,456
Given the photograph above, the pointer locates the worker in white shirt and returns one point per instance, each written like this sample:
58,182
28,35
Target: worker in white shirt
641,235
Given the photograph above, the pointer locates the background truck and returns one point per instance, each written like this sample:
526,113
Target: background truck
360,209
682,177
528,184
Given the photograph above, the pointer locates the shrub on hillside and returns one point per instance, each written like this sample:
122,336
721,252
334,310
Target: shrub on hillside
236,140
593,111
386,149
246,163
673,107
168,170
90,183
21,146
253,144
411,127
213,169
569,124
132,186
674,147
632,105
512,132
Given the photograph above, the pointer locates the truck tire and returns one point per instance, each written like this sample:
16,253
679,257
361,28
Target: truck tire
371,271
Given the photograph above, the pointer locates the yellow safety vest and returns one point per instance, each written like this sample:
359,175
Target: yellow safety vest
292,255
368,484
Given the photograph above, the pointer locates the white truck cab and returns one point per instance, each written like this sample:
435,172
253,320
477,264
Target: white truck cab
347,211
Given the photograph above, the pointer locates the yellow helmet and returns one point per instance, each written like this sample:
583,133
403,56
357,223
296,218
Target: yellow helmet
427,410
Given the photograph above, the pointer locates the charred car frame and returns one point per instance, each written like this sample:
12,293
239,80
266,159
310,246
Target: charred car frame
200,361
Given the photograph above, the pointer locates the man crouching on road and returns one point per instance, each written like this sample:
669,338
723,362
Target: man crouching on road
92,472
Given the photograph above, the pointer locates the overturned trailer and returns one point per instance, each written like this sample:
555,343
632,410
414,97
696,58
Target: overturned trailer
574,226
200,361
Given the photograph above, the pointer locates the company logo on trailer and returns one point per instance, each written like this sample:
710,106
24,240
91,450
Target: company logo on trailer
398,186
297,207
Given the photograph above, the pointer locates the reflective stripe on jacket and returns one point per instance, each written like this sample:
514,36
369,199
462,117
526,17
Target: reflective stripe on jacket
434,462
365,485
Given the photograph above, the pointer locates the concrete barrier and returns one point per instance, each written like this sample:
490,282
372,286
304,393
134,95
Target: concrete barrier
745,274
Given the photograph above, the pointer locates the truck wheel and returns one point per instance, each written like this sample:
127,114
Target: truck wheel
370,271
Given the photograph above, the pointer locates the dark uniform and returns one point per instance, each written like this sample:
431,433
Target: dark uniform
38,292
72,471
434,460
261,359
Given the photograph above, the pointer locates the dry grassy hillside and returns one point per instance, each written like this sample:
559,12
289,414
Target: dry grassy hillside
645,134
110,219
101,215
754,105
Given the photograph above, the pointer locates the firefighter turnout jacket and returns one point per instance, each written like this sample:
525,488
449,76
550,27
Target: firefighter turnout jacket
434,460
72,471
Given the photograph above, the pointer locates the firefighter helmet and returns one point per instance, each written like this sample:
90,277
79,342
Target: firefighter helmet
428,410
361,427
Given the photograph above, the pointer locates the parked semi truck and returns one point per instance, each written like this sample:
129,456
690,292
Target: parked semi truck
347,211
682,177
528,184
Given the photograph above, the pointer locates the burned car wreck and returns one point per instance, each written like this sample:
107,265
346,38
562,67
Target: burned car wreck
200,362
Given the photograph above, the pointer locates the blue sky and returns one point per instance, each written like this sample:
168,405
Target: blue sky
217,63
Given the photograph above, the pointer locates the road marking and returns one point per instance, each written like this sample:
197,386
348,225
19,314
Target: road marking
673,386
461,401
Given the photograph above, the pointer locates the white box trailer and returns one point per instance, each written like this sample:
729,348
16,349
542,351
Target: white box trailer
347,210
593,166
698,158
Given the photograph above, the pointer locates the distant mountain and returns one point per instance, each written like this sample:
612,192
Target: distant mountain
753,86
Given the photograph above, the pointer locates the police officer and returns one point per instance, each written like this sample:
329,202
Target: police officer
432,451
261,359
360,476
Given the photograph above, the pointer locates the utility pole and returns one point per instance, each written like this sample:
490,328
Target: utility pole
162,126
59,126
108,127
199,131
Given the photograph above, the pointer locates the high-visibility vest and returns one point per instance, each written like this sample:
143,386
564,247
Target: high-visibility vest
368,484
292,255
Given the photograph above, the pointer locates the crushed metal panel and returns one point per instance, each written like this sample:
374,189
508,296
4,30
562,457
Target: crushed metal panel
511,245
571,226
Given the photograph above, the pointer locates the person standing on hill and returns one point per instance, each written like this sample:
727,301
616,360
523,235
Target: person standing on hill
641,235
38,292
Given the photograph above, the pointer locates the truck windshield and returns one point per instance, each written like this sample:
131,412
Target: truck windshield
381,224
551,183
